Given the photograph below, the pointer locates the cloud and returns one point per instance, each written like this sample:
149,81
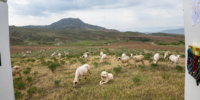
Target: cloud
114,14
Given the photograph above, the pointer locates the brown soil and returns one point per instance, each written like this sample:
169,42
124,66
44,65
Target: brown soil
131,45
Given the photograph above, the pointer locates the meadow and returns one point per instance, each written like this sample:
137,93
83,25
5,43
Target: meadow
50,78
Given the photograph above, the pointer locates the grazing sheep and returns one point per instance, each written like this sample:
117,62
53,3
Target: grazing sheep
174,59
66,54
24,55
103,57
124,59
53,54
101,53
138,58
80,72
87,53
105,77
59,55
85,57
156,58
123,55
28,52
16,70
166,56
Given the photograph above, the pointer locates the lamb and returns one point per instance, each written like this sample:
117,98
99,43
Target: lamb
156,58
101,53
66,54
16,70
28,52
103,57
124,59
59,55
123,55
85,57
174,59
24,55
80,72
138,58
87,53
166,56
53,54
105,77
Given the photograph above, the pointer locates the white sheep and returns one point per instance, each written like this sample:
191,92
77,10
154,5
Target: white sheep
138,58
124,59
28,52
87,53
59,55
103,57
80,72
166,55
123,55
24,55
53,54
85,57
156,58
101,53
174,59
105,77
16,70
66,54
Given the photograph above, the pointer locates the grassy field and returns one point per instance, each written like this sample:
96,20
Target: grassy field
49,78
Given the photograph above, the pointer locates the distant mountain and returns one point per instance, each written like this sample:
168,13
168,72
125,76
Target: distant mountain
70,23
174,31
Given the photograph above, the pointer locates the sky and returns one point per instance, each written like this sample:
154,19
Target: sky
123,15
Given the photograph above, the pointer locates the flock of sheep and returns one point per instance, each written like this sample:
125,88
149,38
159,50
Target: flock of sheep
84,71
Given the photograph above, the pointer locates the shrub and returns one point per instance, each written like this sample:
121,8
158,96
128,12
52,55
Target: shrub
179,68
29,79
81,61
141,67
26,72
20,85
32,90
96,64
117,69
18,94
30,64
165,76
44,63
53,66
22,61
18,79
57,82
62,61
28,68
49,62
106,63
136,80
30,60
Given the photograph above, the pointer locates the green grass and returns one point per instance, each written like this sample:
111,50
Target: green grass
29,79
96,64
32,90
53,66
18,94
57,82
136,80
117,69
26,72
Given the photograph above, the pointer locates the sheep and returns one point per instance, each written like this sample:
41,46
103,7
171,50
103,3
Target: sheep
59,55
66,54
124,59
156,58
16,70
123,55
138,58
53,54
166,56
105,77
87,53
85,57
24,55
103,57
174,59
80,72
28,52
101,53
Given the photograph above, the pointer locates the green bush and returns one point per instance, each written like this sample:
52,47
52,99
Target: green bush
81,61
165,76
18,79
53,66
141,67
26,72
96,64
62,61
49,62
57,82
28,68
136,80
29,79
44,63
20,85
117,69
32,90
18,94
30,60
106,63
179,68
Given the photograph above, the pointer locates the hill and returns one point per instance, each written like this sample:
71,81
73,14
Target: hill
174,31
71,23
